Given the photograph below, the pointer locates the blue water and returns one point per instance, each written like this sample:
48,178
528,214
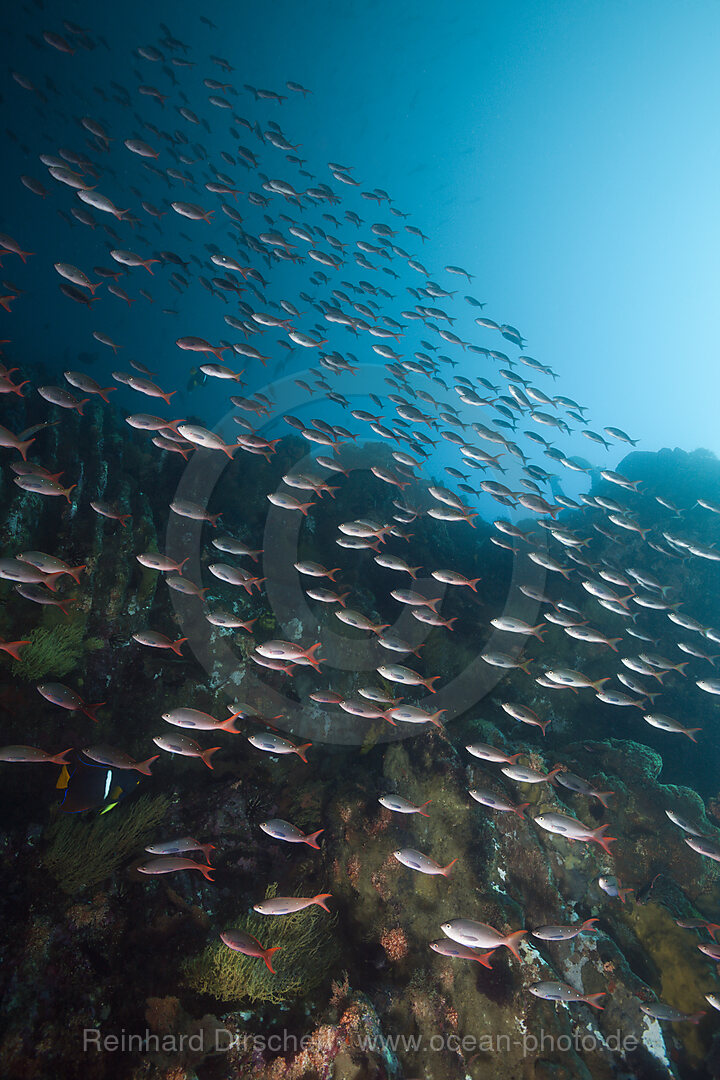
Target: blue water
541,149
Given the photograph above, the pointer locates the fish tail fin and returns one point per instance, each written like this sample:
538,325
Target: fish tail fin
61,759
89,710
229,724
300,751
513,940
74,572
13,647
690,733
166,397
542,724
206,755
613,643
23,447
428,683
424,814
206,849
144,766
681,667
485,959
445,871
589,924
598,685
603,796
331,573
538,631
84,401
181,564
520,810
598,835
594,999
66,491
206,871
310,655
473,583
311,839
696,1017
524,665
320,900
177,646
173,424
267,953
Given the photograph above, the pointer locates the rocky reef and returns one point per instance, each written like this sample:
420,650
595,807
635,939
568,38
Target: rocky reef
94,954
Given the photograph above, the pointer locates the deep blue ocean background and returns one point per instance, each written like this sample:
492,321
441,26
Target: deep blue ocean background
556,154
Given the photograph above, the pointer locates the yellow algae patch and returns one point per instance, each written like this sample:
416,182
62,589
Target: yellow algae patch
307,951
685,976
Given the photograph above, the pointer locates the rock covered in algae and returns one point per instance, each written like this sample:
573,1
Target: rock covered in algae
307,950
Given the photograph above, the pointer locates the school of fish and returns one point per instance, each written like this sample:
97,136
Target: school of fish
359,294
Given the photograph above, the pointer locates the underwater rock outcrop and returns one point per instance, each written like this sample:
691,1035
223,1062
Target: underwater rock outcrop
373,958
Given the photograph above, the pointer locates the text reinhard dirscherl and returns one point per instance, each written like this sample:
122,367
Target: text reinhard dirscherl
221,1040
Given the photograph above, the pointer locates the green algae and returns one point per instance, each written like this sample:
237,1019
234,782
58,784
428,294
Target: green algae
53,650
82,852
306,953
